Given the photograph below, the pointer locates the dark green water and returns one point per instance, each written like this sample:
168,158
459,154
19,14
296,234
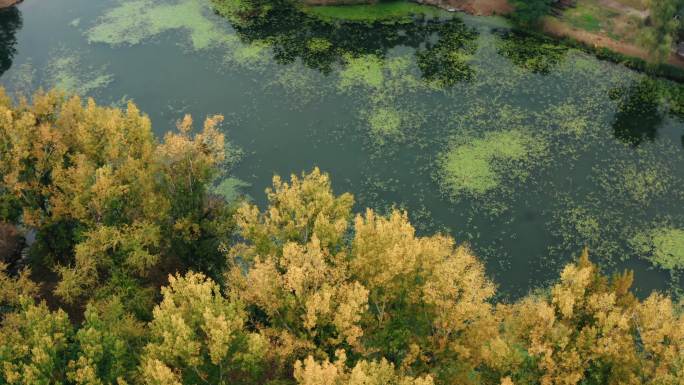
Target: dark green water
526,150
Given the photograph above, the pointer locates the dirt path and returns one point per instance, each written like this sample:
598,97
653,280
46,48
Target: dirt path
624,8
8,3
555,27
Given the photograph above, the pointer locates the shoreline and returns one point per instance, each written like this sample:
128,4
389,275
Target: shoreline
601,46
8,3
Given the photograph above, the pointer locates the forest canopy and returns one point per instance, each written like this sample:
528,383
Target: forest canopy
140,274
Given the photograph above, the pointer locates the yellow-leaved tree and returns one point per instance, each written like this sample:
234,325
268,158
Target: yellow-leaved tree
292,266
429,299
319,282
311,372
110,205
589,327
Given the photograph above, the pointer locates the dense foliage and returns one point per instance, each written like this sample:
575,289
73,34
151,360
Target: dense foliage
529,13
665,18
111,207
308,292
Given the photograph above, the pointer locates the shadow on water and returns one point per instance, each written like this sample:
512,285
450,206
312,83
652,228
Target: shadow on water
445,62
639,113
10,22
441,44
533,53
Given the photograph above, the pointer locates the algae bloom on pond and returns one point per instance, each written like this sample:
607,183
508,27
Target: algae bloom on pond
478,165
663,246
524,148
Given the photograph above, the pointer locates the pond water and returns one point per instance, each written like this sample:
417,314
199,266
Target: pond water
525,149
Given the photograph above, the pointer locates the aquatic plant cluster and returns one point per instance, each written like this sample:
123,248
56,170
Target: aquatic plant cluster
476,167
504,138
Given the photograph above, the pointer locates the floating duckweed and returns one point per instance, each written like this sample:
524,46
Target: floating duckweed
643,185
475,167
662,246
399,76
318,44
241,13
637,180
383,84
66,72
125,24
578,224
135,21
583,62
249,56
299,84
570,120
364,71
585,224
385,121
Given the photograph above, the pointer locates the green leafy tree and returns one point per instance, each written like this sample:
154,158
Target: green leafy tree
529,13
665,23
198,336
34,344
107,346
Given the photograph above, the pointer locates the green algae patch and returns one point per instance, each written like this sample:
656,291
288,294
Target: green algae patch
231,189
254,55
364,71
382,86
639,182
318,44
135,21
301,85
476,167
66,72
385,121
392,122
585,225
664,247
396,11
569,120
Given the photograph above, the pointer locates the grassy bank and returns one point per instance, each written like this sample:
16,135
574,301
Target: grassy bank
639,63
616,30
383,11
